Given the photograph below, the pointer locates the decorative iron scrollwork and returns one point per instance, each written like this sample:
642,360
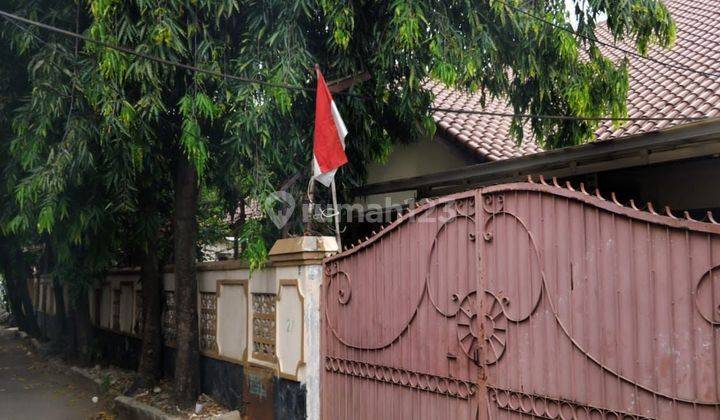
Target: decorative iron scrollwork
704,298
344,290
552,408
518,314
494,324
465,208
493,203
451,387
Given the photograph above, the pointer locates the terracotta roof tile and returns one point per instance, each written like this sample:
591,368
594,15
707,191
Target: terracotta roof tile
655,90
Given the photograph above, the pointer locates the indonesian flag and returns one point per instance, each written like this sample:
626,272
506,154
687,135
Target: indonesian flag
329,139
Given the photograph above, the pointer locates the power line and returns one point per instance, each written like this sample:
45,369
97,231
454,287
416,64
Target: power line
565,117
12,17
151,57
606,44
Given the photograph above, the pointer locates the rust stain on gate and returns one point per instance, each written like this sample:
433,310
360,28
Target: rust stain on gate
525,300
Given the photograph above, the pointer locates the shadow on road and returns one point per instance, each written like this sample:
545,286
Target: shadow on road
32,388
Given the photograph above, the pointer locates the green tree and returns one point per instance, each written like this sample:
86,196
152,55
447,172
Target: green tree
75,186
469,45
261,132
14,260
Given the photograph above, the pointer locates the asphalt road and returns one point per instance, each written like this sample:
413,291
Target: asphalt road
32,388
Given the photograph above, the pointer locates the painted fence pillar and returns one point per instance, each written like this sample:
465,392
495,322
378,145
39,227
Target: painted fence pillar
299,274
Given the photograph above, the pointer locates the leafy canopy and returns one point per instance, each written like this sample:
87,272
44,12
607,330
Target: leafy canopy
95,124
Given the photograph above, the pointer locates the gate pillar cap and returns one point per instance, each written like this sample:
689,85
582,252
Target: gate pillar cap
303,250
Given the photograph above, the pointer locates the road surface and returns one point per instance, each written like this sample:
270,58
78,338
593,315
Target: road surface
32,388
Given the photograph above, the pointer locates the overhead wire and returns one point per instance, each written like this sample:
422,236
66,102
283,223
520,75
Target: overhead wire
565,117
149,57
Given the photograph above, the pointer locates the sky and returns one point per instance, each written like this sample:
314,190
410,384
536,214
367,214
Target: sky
570,6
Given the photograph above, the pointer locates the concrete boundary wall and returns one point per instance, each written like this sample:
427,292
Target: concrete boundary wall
267,321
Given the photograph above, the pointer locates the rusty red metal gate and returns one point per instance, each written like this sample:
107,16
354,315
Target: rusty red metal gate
525,300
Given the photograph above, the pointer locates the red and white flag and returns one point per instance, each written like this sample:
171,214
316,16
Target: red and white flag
329,138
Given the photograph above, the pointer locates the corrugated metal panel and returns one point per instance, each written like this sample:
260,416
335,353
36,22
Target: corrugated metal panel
589,309
390,343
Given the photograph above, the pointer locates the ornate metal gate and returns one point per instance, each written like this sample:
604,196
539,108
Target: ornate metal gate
525,300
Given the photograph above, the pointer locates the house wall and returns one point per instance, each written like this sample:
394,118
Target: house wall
415,159
683,185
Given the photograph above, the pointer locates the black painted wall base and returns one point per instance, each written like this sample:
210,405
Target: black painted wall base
289,399
117,349
49,325
224,381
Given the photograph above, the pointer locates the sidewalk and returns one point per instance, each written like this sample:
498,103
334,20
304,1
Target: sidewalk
31,388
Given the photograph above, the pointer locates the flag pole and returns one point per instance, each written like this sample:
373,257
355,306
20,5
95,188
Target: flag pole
311,204
336,211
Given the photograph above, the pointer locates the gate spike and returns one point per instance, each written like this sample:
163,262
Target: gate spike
615,200
632,204
711,218
651,209
582,188
669,212
542,180
688,217
555,182
598,195
530,179
569,186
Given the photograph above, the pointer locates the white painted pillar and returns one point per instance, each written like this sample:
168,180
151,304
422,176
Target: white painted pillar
301,259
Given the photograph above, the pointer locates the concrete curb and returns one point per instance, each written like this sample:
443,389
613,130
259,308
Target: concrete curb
129,408
232,415
86,375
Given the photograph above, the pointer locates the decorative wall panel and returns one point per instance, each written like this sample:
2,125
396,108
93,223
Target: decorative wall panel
263,305
138,323
106,307
127,306
290,325
232,319
169,325
116,295
208,322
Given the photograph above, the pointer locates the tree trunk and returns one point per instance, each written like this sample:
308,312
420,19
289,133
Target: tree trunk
187,357
83,328
16,272
59,293
15,304
31,325
151,354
